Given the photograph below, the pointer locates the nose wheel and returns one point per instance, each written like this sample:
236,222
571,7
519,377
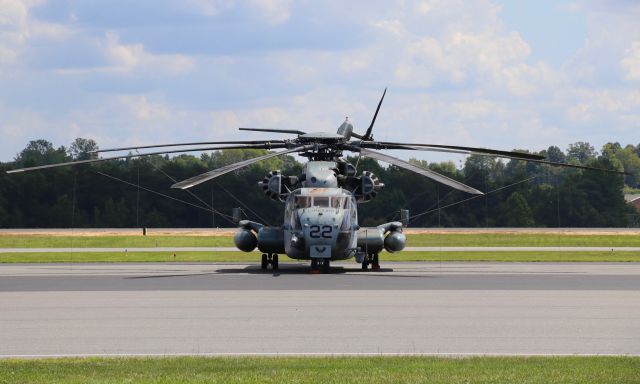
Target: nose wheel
269,259
372,260
320,265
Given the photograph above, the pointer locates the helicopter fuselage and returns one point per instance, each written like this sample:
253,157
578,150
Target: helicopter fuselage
320,223
321,217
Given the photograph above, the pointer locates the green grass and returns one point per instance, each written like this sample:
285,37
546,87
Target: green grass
591,256
433,240
254,257
131,257
546,370
521,240
36,241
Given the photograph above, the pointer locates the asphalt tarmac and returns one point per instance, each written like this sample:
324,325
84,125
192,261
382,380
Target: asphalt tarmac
407,249
406,308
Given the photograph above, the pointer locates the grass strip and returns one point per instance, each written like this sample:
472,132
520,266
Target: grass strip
36,241
416,240
254,257
368,370
521,240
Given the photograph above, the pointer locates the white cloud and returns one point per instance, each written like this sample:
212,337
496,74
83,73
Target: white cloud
463,56
17,28
274,11
590,105
393,27
143,109
456,74
612,29
129,57
631,63
210,7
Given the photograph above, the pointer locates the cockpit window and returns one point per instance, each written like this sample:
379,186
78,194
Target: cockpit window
321,201
340,202
337,202
303,202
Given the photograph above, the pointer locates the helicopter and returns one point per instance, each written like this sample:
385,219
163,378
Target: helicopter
320,221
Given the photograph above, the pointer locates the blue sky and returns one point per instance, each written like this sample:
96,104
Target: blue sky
502,74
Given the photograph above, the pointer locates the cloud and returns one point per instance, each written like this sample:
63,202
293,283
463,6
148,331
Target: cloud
143,109
210,7
456,72
119,57
274,11
631,62
18,28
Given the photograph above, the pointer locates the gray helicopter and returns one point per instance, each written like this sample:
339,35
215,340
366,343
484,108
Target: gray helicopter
320,205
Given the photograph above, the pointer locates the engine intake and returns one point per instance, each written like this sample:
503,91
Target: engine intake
369,186
275,184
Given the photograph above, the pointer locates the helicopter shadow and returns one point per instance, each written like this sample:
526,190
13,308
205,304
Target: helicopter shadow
170,275
296,269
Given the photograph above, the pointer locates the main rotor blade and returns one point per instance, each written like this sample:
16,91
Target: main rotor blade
543,161
142,154
495,152
565,165
367,135
273,130
370,145
188,144
193,181
419,170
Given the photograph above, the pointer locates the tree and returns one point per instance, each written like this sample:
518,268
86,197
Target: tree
555,155
39,152
624,159
80,148
97,198
581,152
516,212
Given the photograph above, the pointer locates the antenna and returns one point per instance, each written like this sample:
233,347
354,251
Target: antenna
367,135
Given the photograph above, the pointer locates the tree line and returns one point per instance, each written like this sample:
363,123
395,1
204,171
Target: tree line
135,192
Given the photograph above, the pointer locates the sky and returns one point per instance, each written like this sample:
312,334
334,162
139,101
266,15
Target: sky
497,74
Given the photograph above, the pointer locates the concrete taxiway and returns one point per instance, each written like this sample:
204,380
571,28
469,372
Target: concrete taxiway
406,308
234,249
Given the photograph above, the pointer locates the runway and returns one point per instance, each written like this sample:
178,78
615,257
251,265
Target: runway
407,308
234,249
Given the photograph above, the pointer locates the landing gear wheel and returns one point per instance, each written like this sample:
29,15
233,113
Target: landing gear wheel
274,261
375,263
365,263
326,265
265,262
314,266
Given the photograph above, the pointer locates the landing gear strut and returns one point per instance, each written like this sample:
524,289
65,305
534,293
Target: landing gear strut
320,265
269,259
373,260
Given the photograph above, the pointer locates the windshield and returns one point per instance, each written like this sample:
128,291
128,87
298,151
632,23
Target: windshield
303,202
338,202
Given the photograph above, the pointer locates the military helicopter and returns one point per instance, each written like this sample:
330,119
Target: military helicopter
320,205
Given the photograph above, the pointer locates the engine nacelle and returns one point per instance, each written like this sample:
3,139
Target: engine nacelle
369,186
245,240
394,241
275,184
